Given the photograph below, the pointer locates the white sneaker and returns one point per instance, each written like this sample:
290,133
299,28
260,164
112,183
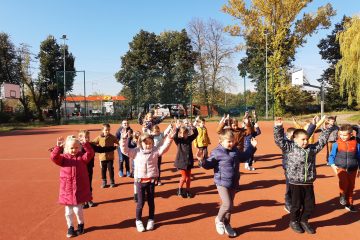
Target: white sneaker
251,168
247,166
139,226
230,231
219,227
150,225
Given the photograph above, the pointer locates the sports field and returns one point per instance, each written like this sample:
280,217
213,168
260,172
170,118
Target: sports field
29,184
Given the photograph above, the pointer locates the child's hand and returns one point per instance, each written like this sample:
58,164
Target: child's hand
278,121
256,125
253,142
197,118
200,154
124,133
178,123
82,139
253,112
60,142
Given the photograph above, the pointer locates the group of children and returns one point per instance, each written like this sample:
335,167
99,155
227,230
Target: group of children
142,153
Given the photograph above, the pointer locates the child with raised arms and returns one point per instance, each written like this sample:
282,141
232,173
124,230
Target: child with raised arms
225,160
184,161
301,173
74,180
145,158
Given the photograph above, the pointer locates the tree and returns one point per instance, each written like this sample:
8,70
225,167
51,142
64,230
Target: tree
285,33
348,67
330,51
9,67
157,68
214,52
48,86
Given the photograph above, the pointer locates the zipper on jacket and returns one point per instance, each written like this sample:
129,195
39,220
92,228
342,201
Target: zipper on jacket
347,149
306,165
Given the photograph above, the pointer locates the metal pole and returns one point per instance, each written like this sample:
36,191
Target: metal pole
85,99
244,91
322,99
65,114
266,79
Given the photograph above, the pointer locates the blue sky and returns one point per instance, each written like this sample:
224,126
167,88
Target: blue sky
98,32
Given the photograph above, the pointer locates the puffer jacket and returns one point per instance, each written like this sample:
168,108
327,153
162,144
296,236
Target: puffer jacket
106,141
345,154
226,165
300,166
145,161
74,180
247,138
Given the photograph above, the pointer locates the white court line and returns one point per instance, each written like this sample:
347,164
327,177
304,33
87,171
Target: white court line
35,158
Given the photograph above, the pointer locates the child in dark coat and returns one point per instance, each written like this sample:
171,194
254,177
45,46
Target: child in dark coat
301,173
184,157
225,160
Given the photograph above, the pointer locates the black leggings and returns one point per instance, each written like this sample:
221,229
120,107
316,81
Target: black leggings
149,188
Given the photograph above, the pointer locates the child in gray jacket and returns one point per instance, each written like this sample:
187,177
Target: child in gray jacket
301,172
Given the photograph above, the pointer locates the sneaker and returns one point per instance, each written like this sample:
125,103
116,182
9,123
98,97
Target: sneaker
220,228
350,208
139,226
295,226
342,200
181,193
159,183
150,225
80,229
306,226
121,174
247,166
86,205
189,194
230,231
103,185
135,197
128,174
251,168
287,208
112,185
91,204
71,232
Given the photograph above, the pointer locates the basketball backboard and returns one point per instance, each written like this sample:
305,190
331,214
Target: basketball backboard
297,78
8,90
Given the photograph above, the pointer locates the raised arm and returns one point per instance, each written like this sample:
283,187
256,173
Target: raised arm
165,145
89,152
55,155
279,136
124,146
194,135
320,144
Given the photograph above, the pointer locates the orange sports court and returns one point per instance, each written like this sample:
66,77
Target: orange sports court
30,187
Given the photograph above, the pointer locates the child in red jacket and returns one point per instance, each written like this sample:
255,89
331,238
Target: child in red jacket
74,180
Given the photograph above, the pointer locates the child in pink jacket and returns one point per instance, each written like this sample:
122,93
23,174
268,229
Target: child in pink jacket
146,172
74,180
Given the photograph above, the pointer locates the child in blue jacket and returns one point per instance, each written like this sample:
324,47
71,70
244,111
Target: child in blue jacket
225,160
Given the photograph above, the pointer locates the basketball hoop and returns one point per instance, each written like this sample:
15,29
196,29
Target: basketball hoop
9,91
297,78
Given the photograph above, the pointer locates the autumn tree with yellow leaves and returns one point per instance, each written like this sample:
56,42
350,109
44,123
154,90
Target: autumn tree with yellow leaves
286,31
347,70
